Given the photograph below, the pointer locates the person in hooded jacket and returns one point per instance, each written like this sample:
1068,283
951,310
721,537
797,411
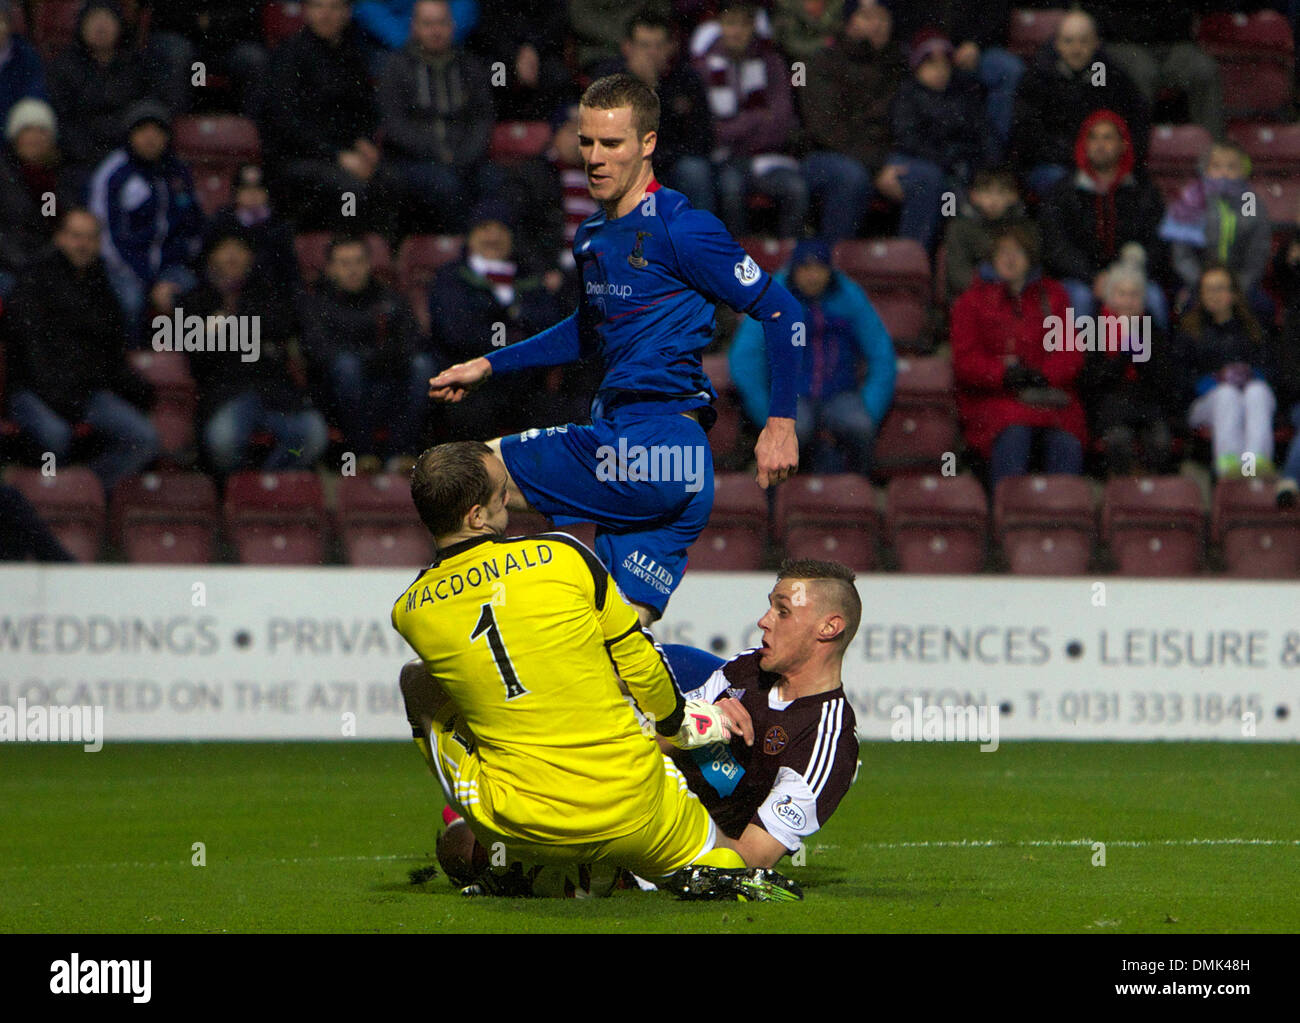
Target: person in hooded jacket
1012,391
153,225
1088,218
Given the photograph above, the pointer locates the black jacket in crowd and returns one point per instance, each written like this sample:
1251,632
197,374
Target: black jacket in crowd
436,108
375,323
65,337
947,128
24,229
319,100
1084,230
846,104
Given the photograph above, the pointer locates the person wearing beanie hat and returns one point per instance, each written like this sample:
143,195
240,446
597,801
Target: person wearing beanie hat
33,185
21,72
30,113
94,82
844,334
940,137
144,195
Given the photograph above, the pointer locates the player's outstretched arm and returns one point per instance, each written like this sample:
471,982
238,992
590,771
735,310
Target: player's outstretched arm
454,382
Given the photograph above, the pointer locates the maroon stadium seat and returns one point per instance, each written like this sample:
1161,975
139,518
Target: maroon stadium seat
378,523
421,256
731,548
216,140
54,25
165,518
71,502
1259,540
769,253
914,440
173,413
1174,154
1046,524
937,524
1029,29
1154,525
725,435
829,518
516,141
923,380
277,518
738,500
312,250
895,273
213,190
1255,56
280,21
1281,197
1274,149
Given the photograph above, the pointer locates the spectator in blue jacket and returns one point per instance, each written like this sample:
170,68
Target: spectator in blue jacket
153,226
21,73
842,331
387,23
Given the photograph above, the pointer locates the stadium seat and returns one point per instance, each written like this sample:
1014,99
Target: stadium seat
1174,154
165,518
516,141
1046,524
1259,540
280,21
895,273
725,435
54,25
377,523
1154,525
71,502
738,500
1255,53
769,253
914,440
216,140
1274,149
732,548
1029,29
173,413
277,518
421,255
312,250
937,524
1281,197
923,380
829,517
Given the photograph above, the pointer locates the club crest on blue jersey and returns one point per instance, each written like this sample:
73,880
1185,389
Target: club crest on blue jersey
636,259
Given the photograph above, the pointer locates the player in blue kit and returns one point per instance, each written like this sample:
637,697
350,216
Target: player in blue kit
652,269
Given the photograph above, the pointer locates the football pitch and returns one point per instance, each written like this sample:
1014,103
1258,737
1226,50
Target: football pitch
320,837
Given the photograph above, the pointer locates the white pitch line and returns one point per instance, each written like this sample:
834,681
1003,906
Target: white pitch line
233,862
995,843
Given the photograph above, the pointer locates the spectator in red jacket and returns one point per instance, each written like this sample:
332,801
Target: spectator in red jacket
1010,389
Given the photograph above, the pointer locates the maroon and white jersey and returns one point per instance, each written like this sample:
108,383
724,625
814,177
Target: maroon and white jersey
804,757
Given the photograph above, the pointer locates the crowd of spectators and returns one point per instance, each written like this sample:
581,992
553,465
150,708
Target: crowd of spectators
813,121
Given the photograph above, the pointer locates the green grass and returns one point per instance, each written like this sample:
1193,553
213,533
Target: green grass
320,837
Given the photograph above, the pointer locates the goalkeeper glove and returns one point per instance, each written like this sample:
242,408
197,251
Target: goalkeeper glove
702,725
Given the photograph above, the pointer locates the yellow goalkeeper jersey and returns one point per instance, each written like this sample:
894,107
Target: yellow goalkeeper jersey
525,635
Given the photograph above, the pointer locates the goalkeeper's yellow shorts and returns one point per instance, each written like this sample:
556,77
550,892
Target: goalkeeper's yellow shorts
677,833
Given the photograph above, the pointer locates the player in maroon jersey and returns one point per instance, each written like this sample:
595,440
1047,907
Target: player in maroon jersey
778,781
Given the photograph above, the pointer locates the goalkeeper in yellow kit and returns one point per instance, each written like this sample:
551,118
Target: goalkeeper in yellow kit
520,715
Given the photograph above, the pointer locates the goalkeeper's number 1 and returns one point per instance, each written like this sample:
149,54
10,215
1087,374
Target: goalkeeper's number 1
487,623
